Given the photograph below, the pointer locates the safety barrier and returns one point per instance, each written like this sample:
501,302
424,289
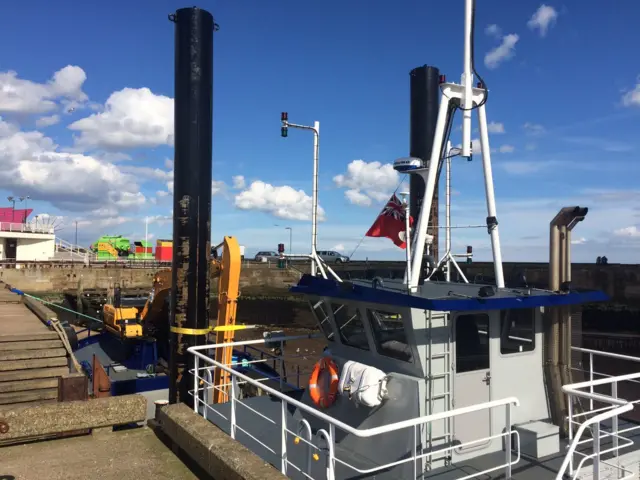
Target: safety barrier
601,421
204,367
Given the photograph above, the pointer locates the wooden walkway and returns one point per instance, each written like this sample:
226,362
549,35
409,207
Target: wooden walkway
17,319
32,357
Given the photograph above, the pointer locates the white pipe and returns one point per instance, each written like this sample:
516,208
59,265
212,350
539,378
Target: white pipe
314,208
467,101
448,213
489,191
430,185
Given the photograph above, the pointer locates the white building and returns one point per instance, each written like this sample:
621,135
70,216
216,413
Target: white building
24,242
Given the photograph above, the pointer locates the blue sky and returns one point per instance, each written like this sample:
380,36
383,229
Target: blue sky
564,102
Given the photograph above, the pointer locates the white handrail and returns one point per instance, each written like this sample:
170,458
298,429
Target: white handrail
24,228
368,432
607,354
576,440
334,423
621,406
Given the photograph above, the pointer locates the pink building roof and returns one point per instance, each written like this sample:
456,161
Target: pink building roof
8,214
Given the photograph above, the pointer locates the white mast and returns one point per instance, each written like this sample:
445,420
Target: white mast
469,98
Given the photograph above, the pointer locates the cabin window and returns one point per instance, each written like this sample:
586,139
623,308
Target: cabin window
472,342
349,323
517,330
321,312
389,335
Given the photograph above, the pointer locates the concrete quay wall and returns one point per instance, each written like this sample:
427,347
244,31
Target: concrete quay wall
620,282
256,279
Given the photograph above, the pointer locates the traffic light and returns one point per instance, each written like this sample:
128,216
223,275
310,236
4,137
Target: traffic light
284,118
469,253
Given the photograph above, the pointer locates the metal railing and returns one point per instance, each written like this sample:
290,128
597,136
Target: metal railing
25,228
613,407
75,252
203,371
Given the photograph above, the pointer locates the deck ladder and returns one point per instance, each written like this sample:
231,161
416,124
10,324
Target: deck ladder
439,386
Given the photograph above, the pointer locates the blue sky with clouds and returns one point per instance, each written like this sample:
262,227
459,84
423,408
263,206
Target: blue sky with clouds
92,143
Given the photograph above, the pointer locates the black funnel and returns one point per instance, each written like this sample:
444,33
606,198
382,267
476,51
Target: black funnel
193,123
425,101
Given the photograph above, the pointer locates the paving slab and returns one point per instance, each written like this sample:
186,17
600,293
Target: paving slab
17,319
125,455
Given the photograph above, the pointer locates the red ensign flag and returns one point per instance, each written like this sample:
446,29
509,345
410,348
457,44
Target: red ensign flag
391,223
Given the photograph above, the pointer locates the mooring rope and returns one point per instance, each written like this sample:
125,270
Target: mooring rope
95,319
55,324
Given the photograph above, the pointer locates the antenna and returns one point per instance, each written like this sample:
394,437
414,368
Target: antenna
467,98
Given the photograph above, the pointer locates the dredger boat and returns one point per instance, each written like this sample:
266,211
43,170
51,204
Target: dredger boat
433,379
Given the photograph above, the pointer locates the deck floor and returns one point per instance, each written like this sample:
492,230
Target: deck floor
268,433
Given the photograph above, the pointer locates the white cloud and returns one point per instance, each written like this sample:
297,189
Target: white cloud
147,172
368,179
160,220
493,30
338,248
524,168
632,97
47,121
578,241
506,149
282,202
217,186
168,163
502,52
533,128
357,198
495,127
33,163
131,118
542,19
631,231
24,96
239,182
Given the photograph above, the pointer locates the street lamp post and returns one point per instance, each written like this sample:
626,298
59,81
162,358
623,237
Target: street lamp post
284,131
290,238
26,205
12,199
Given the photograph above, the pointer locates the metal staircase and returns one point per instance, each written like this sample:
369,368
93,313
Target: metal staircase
68,251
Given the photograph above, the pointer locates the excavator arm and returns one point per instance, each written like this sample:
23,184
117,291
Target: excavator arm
228,270
153,316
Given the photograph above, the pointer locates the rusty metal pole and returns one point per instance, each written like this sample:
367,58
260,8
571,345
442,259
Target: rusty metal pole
193,124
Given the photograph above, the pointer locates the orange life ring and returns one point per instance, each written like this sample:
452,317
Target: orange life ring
319,398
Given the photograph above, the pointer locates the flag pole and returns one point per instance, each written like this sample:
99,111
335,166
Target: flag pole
407,226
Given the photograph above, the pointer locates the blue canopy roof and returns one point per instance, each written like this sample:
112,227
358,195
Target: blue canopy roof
441,296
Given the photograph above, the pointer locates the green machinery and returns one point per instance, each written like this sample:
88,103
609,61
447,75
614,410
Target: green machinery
117,247
111,247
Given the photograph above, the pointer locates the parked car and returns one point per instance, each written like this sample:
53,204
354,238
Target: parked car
330,256
267,256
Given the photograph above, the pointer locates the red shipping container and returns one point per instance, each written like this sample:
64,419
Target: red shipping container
164,254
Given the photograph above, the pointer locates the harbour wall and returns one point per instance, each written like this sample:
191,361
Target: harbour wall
256,279
620,282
